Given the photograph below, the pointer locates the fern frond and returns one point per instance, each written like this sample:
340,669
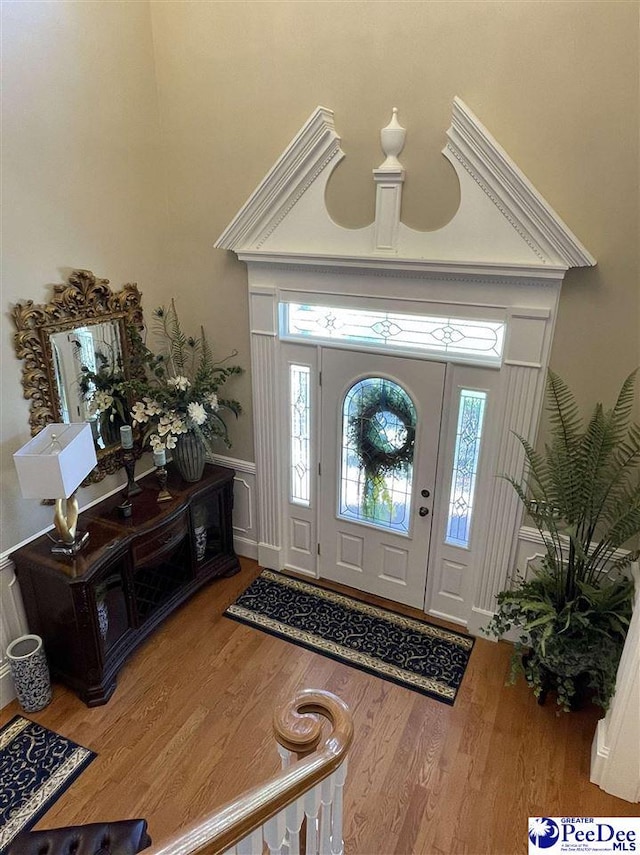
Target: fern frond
627,521
621,412
168,329
230,404
595,467
204,375
536,467
564,416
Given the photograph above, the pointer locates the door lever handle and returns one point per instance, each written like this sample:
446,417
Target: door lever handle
423,511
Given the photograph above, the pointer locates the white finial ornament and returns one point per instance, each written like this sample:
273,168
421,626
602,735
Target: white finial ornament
392,141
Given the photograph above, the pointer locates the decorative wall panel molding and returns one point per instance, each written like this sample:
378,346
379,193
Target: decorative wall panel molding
13,624
245,510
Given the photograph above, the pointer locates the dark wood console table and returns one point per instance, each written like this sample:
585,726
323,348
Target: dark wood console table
94,609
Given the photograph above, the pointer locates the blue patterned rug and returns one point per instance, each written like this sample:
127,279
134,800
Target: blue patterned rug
36,766
413,653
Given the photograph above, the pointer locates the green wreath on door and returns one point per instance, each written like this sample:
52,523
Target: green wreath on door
380,454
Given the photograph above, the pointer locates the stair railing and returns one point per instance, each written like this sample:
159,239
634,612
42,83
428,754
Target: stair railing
298,811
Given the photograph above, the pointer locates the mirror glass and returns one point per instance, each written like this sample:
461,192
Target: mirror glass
87,360
77,349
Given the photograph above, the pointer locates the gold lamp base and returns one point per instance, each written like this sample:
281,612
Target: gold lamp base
65,519
61,548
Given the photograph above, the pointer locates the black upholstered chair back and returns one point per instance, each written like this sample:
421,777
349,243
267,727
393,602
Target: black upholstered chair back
126,837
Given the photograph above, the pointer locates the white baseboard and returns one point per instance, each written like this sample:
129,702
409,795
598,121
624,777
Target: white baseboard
7,689
449,618
478,621
269,556
245,547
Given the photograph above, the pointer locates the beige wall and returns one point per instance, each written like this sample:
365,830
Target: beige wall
555,82
82,183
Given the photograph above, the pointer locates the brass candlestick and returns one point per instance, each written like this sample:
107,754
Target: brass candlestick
129,463
164,495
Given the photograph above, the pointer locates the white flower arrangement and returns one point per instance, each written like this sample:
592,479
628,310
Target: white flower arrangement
180,394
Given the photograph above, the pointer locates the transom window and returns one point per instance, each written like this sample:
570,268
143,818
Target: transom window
477,340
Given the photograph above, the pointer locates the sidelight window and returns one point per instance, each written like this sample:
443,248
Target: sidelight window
465,466
300,450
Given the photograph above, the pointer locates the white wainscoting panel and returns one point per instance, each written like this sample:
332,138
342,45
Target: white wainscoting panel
245,526
13,624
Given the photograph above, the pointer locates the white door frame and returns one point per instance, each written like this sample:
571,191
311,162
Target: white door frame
462,583
505,251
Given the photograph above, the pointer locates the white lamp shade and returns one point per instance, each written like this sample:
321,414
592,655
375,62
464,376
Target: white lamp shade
54,463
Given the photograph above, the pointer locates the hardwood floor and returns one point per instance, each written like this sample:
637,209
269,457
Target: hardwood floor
189,727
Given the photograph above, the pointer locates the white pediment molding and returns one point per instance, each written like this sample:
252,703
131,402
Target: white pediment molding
502,220
511,191
314,147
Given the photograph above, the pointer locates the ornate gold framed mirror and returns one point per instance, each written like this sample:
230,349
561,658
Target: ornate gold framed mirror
85,336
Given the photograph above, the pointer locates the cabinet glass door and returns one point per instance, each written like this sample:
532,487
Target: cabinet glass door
209,537
112,613
155,584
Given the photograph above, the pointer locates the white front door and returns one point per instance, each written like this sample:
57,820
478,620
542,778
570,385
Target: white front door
380,424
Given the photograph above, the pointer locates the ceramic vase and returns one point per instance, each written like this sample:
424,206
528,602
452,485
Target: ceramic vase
200,532
103,618
30,672
189,457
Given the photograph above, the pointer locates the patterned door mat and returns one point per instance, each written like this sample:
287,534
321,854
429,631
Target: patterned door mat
36,767
413,653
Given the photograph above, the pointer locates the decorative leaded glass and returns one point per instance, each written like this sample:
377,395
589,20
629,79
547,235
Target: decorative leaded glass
465,466
299,377
473,339
378,439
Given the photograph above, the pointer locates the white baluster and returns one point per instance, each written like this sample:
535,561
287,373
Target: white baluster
325,830
274,833
253,844
294,814
326,797
311,809
285,756
337,843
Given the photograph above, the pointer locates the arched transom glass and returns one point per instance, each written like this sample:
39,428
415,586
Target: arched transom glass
378,442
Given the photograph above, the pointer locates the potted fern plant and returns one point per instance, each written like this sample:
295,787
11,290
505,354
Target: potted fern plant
583,495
